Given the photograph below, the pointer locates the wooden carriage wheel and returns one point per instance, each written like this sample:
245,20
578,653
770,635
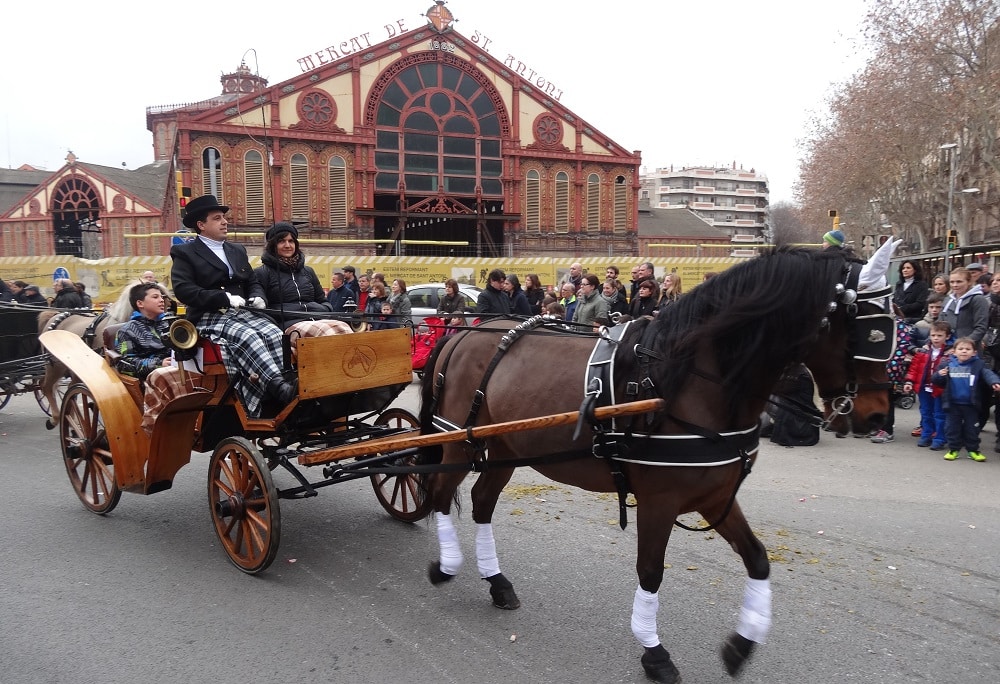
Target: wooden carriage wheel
400,495
60,393
244,505
86,452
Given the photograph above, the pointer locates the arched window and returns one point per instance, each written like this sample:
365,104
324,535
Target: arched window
621,204
211,173
299,186
253,182
438,128
562,202
75,211
338,192
593,203
532,202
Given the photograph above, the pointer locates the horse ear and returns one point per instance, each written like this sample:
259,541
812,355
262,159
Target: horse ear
874,271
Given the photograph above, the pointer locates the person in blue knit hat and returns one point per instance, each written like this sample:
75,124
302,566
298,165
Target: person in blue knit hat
834,239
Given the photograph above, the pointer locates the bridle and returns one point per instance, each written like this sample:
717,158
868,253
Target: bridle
870,337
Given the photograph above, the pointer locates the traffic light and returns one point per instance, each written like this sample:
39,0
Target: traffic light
952,239
836,219
183,193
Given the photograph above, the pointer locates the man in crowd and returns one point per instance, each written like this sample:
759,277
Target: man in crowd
340,293
575,275
66,295
493,300
351,281
213,278
641,272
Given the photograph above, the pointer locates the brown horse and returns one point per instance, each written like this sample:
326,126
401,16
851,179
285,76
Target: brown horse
87,324
713,359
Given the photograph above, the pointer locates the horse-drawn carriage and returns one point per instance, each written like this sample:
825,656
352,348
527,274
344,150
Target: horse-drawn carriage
22,361
669,413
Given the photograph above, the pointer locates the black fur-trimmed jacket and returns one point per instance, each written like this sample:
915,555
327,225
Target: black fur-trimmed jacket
290,289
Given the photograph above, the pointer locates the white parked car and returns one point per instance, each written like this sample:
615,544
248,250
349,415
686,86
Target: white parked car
424,299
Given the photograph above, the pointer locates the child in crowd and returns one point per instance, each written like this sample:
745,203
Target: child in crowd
922,328
962,378
455,321
385,320
927,361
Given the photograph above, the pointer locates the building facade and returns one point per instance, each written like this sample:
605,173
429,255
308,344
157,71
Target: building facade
728,198
424,144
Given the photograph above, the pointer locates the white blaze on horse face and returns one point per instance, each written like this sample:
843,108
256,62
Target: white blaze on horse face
451,553
755,614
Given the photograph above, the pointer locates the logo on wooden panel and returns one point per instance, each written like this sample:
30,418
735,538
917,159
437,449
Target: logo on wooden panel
360,361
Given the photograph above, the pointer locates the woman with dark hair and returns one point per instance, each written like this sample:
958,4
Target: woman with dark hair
400,301
452,300
519,305
289,285
911,291
646,298
534,292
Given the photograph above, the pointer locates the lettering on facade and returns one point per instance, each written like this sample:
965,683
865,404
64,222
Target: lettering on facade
347,47
363,41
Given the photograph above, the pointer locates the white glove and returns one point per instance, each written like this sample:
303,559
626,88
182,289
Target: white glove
235,301
257,302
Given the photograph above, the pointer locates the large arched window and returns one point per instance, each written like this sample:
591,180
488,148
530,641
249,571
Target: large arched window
299,186
253,182
562,202
593,202
532,201
75,211
211,173
338,192
437,129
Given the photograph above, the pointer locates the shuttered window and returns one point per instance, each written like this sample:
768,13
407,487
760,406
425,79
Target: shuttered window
532,202
299,168
562,202
338,193
211,174
621,204
253,182
593,203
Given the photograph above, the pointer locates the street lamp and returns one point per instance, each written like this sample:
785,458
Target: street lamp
952,151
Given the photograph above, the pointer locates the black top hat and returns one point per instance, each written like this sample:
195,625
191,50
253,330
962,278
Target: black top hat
199,207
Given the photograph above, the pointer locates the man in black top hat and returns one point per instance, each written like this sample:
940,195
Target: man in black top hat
213,278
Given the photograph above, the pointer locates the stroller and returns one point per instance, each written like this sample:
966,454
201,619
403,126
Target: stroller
425,336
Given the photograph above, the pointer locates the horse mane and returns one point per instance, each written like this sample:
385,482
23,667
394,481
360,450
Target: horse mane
761,314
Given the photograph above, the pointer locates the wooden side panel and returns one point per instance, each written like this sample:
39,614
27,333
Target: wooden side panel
172,439
344,363
129,444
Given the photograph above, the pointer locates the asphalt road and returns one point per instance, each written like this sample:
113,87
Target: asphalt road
886,568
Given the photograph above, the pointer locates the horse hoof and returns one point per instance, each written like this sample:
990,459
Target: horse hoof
502,593
49,425
736,653
436,575
659,667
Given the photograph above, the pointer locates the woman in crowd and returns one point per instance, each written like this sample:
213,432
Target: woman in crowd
672,290
644,304
452,300
373,309
400,301
939,284
966,310
519,305
534,292
614,295
911,291
289,285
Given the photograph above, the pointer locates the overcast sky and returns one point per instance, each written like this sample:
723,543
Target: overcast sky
686,83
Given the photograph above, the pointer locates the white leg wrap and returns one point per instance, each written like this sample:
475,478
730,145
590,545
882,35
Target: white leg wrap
486,551
451,554
755,615
644,609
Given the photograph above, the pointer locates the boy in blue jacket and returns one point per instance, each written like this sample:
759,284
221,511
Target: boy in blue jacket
962,378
